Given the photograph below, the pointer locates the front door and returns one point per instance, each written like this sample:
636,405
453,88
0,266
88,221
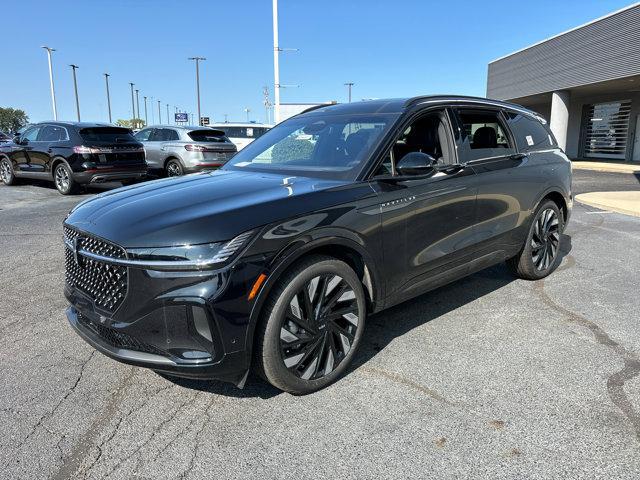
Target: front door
21,155
427,220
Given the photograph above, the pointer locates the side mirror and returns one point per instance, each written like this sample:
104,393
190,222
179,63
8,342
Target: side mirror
416,163
21,141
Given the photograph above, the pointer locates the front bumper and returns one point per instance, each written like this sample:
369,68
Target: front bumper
186,324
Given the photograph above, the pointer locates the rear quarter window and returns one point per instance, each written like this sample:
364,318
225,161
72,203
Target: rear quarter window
107,135
529,133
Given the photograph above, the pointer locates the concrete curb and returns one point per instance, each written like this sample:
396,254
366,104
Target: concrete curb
627,203
606,167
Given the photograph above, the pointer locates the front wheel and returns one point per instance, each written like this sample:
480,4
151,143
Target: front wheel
539,256
6,172
63,178
312,325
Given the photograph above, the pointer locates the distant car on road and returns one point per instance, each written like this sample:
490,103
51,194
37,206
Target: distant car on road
72,154
176,150
242,134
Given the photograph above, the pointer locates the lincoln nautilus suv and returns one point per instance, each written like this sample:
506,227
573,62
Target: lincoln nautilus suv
274,262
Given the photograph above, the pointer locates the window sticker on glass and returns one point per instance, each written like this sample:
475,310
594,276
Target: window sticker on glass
249,132
529,140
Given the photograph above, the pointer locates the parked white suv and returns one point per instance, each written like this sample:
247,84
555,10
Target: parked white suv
176,150
242,134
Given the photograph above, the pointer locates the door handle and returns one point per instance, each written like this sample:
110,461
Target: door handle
519,156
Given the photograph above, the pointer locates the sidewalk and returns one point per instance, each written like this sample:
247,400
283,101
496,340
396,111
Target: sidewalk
610,167
621,202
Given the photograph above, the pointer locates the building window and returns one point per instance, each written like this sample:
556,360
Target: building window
606,130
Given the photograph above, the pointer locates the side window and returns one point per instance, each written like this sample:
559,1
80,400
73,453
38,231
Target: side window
483,135
53,133
31,134
143,135
528,132
172,135
165,135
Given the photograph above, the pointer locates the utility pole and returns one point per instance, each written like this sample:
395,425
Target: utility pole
138,108
159,114
267,103
349,85
197,60
276,64
53,90
133,106
146,121
106,79
75,89
153,117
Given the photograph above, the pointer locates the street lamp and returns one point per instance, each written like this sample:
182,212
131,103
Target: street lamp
247,110
75,88
133,106
159,114
146,121
53,90
276,63
197,60
137,107
106,79
349,85
168,121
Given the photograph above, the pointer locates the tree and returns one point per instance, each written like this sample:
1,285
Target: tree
12,119
133,123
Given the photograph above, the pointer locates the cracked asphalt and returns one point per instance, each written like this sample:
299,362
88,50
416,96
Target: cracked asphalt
489,377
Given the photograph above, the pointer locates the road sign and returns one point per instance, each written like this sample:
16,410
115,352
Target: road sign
204,121
182,117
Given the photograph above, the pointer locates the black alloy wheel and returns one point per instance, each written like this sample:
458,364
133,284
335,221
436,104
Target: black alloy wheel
312,326
540,253
174,169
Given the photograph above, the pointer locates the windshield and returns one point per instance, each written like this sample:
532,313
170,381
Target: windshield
327,146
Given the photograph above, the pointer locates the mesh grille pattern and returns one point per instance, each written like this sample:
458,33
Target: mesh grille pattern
118,339
106,284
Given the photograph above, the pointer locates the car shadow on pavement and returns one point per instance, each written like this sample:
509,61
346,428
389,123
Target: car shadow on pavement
382,328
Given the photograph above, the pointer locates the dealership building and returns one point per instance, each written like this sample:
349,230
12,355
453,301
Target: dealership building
585,82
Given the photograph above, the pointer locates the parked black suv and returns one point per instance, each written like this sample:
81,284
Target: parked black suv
276,260
72,154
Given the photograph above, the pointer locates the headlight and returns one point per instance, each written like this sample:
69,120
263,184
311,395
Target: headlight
188,257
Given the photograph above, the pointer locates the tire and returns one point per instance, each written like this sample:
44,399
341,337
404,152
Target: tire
174,168
7,175
301,353
540,254
63,179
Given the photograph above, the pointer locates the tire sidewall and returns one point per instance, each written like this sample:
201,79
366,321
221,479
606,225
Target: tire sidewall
12,177
68,172
178,164
273,366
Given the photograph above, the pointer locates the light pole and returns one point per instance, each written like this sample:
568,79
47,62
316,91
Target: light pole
75,89
349,85
247,110
133,106
146,121
197,60
276,65
153,116
159,114
106,79
53,90
137,107
168,121
226,116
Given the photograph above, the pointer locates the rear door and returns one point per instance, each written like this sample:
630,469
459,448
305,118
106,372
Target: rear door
487,145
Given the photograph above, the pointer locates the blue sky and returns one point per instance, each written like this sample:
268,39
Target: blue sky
388,48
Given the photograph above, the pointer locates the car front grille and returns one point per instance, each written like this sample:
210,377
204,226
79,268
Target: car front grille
116,338
104,283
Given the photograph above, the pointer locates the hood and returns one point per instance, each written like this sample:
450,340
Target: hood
203,208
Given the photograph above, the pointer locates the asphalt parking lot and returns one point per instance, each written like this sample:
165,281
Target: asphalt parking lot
489,377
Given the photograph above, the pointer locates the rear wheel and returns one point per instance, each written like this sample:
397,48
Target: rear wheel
312,326
63,178
539,256
174,168
6,172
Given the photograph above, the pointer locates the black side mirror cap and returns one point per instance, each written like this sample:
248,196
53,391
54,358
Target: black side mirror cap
416,163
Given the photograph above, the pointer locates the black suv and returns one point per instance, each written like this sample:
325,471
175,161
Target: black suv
72,154
276,260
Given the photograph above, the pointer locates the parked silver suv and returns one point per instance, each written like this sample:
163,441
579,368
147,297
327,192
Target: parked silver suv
176,150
